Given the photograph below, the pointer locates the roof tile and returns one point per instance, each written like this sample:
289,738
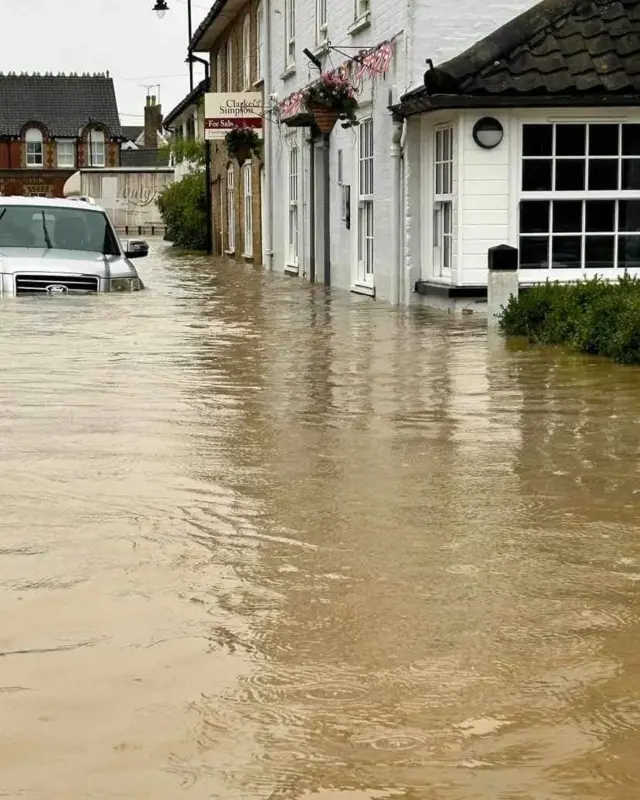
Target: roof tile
64,104
558,47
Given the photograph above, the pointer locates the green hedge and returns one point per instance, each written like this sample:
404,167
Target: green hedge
183,208
594,316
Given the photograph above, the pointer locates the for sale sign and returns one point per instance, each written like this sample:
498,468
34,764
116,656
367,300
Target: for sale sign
225,111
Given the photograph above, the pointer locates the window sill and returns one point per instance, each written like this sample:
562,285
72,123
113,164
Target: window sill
289,71
231,252
247,256
35,166
363,288
258,84
291,269
361,24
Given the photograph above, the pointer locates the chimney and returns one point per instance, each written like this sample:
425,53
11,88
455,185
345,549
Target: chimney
152,122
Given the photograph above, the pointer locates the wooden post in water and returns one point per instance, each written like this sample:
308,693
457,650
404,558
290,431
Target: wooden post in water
502,280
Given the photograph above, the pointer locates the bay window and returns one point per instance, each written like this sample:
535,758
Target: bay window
443,201
580,196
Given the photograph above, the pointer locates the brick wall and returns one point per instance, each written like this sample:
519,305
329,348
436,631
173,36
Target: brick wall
220,161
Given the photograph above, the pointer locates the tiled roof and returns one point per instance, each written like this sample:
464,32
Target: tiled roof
144,157
215,12
190,99
64,104
579,48
132,132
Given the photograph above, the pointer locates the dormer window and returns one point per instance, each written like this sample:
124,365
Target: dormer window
96,149
35,149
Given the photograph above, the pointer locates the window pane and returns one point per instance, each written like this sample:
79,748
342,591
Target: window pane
629,215
534,252
536,140
439,145
534,216
603,140
631,173
629,252
438,178
570,140
600,215
631,140
567,216
566,252
536,176
598,252
603,175
569,175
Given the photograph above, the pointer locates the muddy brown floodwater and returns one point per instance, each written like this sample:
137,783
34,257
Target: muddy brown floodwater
258,542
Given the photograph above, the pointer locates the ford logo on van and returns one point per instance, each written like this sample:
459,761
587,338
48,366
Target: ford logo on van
56,288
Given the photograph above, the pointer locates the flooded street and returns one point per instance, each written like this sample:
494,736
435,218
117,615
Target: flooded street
262,543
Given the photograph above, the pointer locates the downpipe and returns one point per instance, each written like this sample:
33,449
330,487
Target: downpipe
396,210
268,143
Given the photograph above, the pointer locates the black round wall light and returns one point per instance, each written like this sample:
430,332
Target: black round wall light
488,133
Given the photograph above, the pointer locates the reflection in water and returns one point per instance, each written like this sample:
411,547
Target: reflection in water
260,541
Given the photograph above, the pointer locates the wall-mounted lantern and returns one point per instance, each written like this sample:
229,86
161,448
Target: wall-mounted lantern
488,133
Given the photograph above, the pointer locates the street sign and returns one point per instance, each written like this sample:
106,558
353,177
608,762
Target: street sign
225,111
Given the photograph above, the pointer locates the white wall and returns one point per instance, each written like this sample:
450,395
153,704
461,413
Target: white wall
422,29
442,29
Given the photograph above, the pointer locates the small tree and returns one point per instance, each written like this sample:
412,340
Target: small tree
183,208
190,150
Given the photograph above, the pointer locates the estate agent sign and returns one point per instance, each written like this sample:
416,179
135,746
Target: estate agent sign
224,111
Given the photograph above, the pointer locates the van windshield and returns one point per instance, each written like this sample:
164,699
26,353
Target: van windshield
58,228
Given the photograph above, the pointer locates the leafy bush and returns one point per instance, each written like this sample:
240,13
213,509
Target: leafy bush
183,208
240,139
191,151
594,316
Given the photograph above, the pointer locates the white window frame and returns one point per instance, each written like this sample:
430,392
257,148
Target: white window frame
70,146
361,10
97,148
290,34
247,183
260,43
34,150
560,272
443,198
219,83
293,216
246,53
231,210
230,70
321,22
365,220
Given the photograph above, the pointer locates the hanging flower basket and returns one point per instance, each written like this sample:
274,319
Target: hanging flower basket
241,143
325,117
330,98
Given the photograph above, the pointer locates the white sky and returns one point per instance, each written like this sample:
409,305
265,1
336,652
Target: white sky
124,37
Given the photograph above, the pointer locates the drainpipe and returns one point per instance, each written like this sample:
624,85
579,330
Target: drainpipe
312,207
327,211
268,141
396,211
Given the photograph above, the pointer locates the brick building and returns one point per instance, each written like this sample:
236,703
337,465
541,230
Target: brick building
230,35
52,125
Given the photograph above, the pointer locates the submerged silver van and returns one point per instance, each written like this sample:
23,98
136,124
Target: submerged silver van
56,247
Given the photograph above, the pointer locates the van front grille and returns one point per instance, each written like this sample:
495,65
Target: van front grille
56,284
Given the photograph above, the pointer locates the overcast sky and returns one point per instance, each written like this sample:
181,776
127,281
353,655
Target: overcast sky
122,36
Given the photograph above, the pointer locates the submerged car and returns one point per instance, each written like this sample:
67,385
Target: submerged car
59,247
